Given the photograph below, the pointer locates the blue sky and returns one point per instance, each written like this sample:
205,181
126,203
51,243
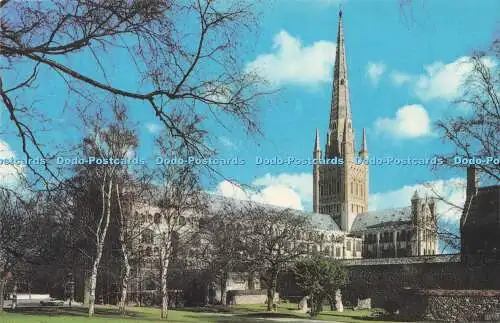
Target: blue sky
404,70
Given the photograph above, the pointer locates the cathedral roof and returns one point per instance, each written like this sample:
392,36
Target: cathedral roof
318,221
375,219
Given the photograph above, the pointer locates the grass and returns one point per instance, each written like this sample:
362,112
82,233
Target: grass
238,313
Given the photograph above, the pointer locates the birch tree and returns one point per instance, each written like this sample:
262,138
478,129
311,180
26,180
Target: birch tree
178,197
106,142
130,191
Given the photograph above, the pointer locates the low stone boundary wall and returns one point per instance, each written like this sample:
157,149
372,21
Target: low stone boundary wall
450,305
31,296
258,296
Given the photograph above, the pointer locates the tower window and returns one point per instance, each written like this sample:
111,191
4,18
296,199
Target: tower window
342,82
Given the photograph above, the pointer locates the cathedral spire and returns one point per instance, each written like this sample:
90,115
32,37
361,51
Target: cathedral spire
340,110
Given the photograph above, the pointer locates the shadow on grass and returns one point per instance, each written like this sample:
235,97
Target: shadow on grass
77,311
213,309
247,318
222,319
270,315
219,309
373,316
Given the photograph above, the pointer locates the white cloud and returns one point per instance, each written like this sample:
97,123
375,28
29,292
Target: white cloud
442,80
410,121
9,174
217,92
400,78
227,142
291,62
154,128
284,189
228,189
451,190
279,195
300,183
439,80
374,71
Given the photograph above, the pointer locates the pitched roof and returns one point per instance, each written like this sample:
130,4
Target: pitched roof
485,207
374,219
318,221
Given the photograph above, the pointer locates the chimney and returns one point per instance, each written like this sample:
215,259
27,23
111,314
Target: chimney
472,182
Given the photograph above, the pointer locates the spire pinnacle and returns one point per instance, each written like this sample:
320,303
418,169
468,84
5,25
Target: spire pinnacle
364,148
316,142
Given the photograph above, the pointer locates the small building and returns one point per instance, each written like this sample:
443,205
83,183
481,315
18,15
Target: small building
480,222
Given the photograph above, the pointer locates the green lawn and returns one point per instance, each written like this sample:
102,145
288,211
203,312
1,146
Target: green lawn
240,314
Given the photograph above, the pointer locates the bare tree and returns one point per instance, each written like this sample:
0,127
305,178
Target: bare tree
473,135
178,196
274,241
108,143
130,192
19,232
226,251
476,136
185,53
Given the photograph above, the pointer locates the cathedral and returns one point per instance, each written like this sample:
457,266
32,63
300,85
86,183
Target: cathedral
341,190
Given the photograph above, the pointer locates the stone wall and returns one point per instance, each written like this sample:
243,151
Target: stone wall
450,305
382,282
249,296
383,279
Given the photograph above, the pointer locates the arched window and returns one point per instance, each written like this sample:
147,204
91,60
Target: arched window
157,218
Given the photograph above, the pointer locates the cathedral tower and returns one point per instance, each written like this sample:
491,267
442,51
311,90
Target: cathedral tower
340,190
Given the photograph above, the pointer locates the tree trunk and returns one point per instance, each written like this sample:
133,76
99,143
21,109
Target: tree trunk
271,291
313,306
223,291
125,281
100,238
165,258
269,299
93,282
2,289
123,243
